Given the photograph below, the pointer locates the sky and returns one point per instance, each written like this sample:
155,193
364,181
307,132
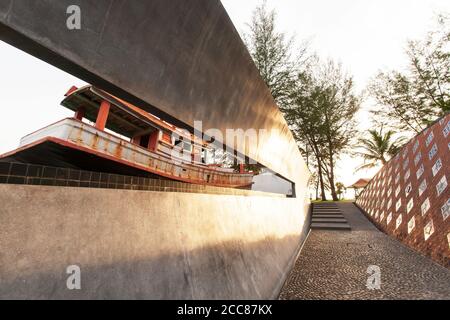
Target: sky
364,35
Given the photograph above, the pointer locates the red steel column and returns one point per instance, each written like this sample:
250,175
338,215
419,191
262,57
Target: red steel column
153,141
136,140
79,115
103,115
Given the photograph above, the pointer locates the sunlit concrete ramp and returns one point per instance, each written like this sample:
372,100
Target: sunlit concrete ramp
183,61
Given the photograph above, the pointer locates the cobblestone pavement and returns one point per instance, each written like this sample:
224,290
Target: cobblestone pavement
333,265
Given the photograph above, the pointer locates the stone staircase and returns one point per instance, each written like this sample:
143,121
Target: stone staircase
328,216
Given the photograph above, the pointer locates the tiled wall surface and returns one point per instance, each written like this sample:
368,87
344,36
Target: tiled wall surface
29,174
409,198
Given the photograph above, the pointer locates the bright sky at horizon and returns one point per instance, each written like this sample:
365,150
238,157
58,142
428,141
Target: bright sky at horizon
364,35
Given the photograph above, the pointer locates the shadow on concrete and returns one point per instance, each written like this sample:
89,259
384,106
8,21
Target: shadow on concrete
231,270
356,218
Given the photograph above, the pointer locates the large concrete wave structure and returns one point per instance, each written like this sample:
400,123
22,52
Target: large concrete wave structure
183,61
409,198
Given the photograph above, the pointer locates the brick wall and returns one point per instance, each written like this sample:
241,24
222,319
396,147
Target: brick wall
409,198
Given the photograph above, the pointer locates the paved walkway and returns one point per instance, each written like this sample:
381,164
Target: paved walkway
333,265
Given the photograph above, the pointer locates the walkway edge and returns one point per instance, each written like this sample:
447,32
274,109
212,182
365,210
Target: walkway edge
291,267
366,214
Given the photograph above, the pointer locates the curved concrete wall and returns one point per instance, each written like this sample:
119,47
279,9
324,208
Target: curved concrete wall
145,245
182,59
410,197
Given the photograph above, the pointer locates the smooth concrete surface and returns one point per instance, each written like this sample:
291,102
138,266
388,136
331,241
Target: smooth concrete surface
145,245
330,220
269,182
182,59
329,226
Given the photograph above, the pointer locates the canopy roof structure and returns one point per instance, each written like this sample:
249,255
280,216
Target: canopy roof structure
361,183
124,118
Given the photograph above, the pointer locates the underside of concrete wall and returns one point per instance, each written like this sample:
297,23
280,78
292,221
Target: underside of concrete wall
145,245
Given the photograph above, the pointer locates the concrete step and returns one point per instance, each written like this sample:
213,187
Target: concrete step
326,207
329,220
328,216
326,212
324,216
330,226
316,206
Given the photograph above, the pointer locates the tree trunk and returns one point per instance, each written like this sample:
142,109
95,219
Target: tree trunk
317,189
316,152
322,184
330,157
331,178
333,189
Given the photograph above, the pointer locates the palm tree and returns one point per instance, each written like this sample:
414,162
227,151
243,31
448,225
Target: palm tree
340,190
378,148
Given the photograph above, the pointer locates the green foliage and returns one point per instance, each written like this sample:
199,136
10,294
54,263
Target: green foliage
255,168
378,148
271,52
322,117
320,105
340,190
317,98
412,100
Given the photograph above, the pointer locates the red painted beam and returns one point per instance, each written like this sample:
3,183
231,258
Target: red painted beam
79,115
71,90
153,141
102,117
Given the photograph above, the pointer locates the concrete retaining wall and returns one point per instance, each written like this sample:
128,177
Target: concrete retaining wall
145,245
